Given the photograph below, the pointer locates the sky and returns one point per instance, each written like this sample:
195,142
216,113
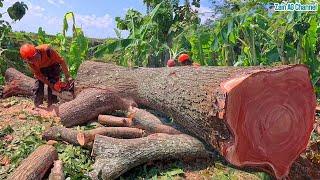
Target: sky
95,17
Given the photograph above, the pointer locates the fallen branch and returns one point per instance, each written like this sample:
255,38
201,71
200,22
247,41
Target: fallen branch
36,165
58,133
116,156
85,138
17,84
141,123
57,171
88,105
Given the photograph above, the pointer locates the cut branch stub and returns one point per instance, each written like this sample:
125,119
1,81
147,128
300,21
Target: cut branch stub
271,115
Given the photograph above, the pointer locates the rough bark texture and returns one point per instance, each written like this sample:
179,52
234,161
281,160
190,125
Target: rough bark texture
36,165
88,105
57,171
141,122
151,146
116,156
248,114
17,84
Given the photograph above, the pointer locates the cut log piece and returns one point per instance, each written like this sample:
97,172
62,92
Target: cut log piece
17,84
57,171
114,121
85,138
36,165
116,156
88,105
58,133
260,117
137,122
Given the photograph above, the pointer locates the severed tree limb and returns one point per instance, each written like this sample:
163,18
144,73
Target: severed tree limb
114,121
85,138
116,156
17,84
89,104
141,123
36,165
58,133
57,171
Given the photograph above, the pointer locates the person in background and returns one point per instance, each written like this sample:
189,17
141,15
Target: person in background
45,64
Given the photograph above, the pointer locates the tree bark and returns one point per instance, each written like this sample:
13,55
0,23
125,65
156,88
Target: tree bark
140,122
57,171
85,138
89,104
36,165
113,156
17,84
58,133
253,116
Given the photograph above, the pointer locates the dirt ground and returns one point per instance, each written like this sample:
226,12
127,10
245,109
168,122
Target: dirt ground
20,133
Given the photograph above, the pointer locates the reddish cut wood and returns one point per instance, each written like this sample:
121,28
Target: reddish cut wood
271,114
257,116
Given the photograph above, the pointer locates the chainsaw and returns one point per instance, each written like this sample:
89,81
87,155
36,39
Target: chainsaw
64,90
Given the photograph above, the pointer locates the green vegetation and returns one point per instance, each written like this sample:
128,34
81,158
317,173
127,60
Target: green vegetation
245,33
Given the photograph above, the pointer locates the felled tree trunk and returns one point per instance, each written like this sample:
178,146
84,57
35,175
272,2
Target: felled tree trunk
89,104
116,156
36,165
260,117
17,84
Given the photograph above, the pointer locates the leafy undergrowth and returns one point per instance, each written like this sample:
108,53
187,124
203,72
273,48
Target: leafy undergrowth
20,134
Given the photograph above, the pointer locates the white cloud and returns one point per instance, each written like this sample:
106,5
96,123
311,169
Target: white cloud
56,3
94,21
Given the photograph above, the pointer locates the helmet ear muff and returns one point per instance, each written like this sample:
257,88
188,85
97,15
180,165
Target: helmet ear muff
27,51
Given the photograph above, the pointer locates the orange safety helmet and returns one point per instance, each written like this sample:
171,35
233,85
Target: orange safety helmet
27,51
183,58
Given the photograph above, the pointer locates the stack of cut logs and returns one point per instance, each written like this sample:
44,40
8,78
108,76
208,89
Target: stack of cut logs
255,117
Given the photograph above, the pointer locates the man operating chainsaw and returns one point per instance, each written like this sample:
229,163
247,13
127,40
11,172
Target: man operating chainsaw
45,64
